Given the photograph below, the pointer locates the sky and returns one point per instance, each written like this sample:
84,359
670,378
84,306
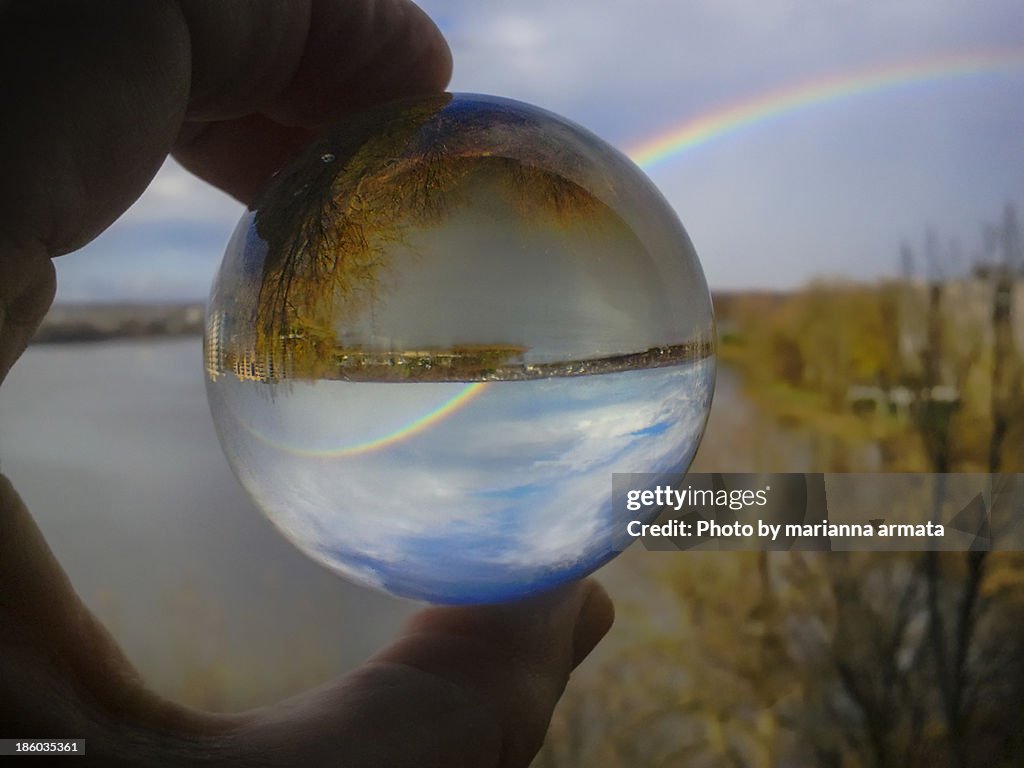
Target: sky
826,184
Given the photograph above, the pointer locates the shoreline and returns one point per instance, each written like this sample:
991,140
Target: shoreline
87,323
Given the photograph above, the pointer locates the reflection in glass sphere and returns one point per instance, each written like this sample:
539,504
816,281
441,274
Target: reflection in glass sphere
439,333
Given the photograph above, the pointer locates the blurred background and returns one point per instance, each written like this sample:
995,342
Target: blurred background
852,176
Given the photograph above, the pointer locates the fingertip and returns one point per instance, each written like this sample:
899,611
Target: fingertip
436,53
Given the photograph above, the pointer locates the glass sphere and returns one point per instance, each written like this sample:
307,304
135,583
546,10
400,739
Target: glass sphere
437,335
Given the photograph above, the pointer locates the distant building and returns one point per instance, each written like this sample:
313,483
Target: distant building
966,309
214,348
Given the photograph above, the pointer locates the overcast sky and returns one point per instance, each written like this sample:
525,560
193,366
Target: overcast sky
831,189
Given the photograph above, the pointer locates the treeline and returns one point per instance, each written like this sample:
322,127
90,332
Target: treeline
935,358
829,659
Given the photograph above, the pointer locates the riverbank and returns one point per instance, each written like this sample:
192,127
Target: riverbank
103,322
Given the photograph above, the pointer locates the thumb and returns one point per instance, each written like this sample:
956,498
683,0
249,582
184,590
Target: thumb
461,686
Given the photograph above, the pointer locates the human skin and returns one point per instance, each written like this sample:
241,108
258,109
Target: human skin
95,94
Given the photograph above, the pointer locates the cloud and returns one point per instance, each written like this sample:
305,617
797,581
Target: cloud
177,194
167,246
167,259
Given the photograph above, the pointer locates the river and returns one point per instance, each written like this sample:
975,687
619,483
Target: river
112,447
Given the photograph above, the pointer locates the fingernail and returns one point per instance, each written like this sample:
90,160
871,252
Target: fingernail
596,616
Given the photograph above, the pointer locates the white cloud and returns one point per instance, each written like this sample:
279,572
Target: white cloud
175,193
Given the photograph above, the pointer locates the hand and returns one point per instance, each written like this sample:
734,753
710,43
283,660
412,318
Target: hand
96,93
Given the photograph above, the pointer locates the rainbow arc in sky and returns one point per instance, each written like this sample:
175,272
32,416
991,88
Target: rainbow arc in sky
760,108
745,114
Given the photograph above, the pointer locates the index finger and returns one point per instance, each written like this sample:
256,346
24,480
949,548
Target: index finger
246,119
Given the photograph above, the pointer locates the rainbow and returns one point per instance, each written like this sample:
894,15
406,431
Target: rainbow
465,394
730,118
461,398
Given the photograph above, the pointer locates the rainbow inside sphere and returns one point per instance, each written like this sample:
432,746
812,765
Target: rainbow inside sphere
439,333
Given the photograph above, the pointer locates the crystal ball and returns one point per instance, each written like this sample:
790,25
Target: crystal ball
437,335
